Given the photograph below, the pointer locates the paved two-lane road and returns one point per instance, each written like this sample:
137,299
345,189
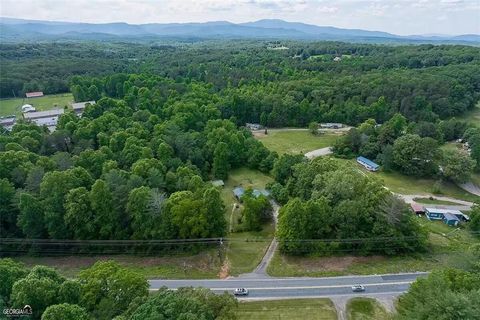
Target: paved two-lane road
278,288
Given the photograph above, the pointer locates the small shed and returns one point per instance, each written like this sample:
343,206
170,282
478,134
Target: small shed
450,219
218,183
238,192
368,164
417,208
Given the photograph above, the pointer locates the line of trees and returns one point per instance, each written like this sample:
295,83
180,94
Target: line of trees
332,208
104,291
127,169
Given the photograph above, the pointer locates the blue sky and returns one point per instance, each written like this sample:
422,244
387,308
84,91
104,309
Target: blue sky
396,16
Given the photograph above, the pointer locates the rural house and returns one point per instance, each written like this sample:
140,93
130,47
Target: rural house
368,164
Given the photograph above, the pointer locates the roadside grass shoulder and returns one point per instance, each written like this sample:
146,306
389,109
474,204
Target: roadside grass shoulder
292,309
294,142
13,106
366,309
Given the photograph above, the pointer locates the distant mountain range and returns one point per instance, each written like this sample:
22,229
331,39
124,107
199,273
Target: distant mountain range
20,29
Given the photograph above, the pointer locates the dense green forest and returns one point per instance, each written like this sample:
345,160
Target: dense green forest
169,118
127,169
253,83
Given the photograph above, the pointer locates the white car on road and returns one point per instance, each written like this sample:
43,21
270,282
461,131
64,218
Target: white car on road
240,292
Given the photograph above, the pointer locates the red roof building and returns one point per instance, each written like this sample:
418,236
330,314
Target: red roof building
34,94
417,208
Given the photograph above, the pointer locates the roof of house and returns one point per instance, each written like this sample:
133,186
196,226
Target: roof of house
218,183
442,211
417,207
256,193
43,114
450,216
238,191
34,94
81,105
368,162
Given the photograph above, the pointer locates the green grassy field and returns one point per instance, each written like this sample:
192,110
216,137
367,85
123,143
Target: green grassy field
298,309
472,116
194,266
399,183
366,309
240,177
247,249
294,142
13,106
447,248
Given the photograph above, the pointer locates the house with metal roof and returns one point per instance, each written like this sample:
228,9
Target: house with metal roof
417,208
433,213
34,94
79,107
368,164
47,118
238,192
450,219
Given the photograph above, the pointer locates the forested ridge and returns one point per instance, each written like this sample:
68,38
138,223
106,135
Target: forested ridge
274,87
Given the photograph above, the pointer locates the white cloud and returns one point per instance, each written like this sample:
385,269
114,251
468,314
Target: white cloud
326,9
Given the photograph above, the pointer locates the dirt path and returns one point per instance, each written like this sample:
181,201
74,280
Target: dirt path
462,205
470,187
261,270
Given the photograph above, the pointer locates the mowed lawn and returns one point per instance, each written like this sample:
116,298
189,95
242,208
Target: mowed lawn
295,309
13,106
295,141
448,247
366,309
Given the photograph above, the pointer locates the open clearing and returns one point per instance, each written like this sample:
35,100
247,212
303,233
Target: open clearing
365,309
245,252
194,266
399,183
301,309
447,248
295,141
13,106
472,117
